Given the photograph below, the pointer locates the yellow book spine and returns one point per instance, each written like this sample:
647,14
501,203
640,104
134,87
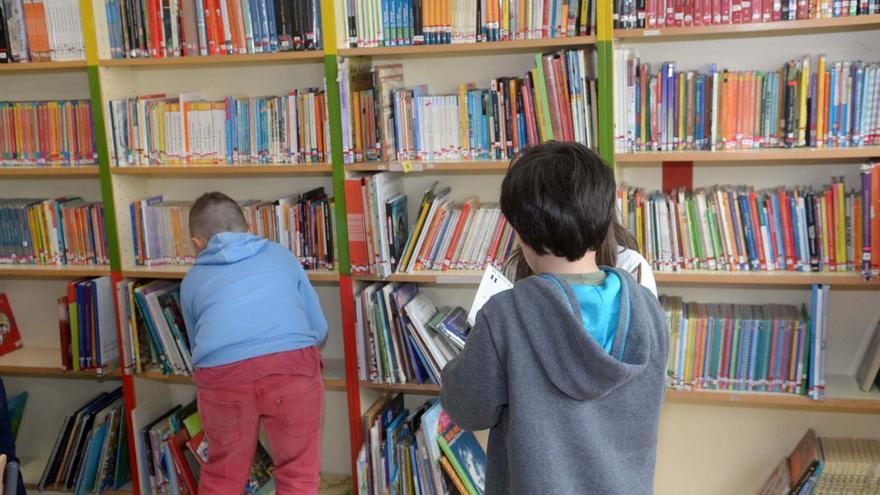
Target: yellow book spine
820,103
681,111
463,128
689,353
803,92
840,225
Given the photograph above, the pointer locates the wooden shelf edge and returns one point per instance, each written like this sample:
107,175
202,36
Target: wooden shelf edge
172,272
763,155
43,66
804,26
46,372
477,166
215,60
707,397
78,171
52,272
512,46
330,383
215,170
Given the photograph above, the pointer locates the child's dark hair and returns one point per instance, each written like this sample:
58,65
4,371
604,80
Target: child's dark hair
213,213
559,197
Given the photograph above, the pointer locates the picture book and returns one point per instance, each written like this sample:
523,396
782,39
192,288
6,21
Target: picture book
492,283
464,453
10,338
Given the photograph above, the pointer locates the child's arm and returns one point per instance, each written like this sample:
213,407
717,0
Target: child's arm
475,382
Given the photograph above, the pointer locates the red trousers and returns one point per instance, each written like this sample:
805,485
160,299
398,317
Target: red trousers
236,399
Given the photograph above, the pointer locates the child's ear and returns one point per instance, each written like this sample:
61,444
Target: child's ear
199,242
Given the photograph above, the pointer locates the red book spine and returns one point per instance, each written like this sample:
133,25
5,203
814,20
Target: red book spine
456,235
803,10
670,12
689,12
736,11
564,100
651,13
496,239
210,27
707,12
725,11
218,22
660,12
788,233
156,28
746,6
357,241
756,227
678,14
757,8
767,10
64,334
777,10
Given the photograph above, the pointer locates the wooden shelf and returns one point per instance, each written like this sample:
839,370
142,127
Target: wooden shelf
334,375
851,280
37,172
760,156
215,60
255,170
43,66
55,272
465,166
806,26
842,396
44,362
178,271
516,46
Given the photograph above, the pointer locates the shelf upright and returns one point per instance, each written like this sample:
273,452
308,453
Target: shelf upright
346,288
90,40
605,76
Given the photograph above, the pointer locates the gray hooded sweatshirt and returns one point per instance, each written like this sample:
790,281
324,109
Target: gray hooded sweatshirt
566,417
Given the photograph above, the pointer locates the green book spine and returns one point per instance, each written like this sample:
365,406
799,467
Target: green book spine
734,355
696,238
74,334
444,446
716,235
542,101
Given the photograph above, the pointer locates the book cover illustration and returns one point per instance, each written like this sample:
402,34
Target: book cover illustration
10,338
464,452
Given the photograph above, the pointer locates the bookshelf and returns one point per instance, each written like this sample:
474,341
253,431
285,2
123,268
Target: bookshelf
697,428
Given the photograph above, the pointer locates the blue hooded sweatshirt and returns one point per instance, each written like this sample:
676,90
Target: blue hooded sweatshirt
247,297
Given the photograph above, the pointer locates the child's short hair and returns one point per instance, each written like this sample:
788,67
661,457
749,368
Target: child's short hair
213,213
559,197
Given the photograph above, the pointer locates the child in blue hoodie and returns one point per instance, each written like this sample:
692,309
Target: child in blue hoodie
255,325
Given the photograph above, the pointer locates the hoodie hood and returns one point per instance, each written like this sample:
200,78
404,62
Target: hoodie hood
572,360
229,247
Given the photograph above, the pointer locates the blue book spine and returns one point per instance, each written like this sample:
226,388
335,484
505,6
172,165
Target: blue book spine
844,105
795,226
765,231
833,107
748,230
736,224
859,104
264,24
135,241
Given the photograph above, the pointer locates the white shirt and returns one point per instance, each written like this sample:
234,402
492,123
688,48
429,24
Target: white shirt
636,264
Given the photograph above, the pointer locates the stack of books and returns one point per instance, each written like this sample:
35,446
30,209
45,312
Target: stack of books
751,348
807,103
383,120
373,23
62,231
402,337
145,28
729,228
91,451
418,452
826,466
87,326
154,333
302,223
447,235
47,133
40,31
672,13
172,449
187,129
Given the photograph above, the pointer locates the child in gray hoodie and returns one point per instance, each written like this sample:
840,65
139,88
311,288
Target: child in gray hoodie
567,369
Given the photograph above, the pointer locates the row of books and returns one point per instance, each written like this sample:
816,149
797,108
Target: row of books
186,28
631,14
805,103
422,451
154,334
402,337
40,31
60,231
743,347
87,326
303,223
172,449
187,129
383,120
373,23
447,235
827,466
47,133
91,453
731,228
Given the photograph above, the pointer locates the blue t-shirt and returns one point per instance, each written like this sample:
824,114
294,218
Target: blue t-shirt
598,296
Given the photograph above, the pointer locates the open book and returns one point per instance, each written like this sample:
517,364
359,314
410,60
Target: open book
492,283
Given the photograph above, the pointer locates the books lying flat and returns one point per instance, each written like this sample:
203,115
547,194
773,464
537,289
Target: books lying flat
286,129
755,348
806,103
142,28
48,30
303,223
735,228
47,133
90,454
382,119
61,231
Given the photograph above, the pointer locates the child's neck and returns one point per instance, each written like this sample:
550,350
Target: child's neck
557,264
